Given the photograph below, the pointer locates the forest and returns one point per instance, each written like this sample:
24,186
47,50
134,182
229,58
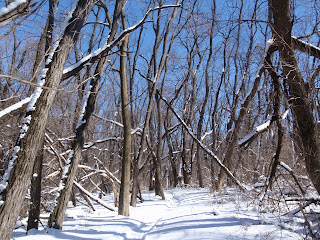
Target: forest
124,97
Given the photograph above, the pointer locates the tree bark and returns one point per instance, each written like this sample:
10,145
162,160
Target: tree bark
158,184
126,158
35,193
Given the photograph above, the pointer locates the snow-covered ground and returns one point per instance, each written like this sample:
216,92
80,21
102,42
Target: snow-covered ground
186,213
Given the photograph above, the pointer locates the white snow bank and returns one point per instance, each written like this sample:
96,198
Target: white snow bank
189,214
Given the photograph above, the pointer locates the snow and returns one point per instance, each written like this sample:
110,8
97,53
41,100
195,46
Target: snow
63,176
263,126
285,114
65,170
187,213
24,127
259,129
268,45
306,43
206,134
90,144
6,175
14,107
37,92
83,109
11,7
98,200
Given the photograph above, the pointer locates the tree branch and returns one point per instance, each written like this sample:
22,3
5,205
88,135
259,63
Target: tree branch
91,58
14,10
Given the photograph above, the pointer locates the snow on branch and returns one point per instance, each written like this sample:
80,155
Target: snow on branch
82,119
254,133
92,57
14,10
12,6
171,129
258,130
206,134
290,170
133,131
13,108
306,47
91,144
108,120
105,173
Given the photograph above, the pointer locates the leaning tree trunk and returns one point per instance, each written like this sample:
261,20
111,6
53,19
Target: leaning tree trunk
35,193
57,216
301,107
35,121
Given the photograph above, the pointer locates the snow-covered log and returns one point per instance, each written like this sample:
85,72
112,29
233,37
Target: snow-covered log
254,133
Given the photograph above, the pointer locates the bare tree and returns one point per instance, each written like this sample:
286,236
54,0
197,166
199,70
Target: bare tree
20,167
35,191
157,74
67,179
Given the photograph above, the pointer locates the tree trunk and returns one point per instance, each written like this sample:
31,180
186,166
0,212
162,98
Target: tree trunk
158,184
126,158
186,168
35,195
171,158
46,40
301,107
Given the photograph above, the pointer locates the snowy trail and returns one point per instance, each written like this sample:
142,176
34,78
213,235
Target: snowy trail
189,214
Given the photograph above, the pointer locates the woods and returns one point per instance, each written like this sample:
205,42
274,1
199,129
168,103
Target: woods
100,97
